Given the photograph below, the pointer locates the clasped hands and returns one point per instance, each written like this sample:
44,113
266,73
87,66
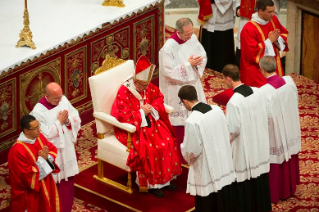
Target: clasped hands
63,117
273,36
147,108
44,152
195,60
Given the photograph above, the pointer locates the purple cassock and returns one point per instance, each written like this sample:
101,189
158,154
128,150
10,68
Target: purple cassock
283,178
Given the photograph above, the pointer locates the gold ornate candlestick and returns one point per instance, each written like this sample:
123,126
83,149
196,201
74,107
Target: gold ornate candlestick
26,34
117,3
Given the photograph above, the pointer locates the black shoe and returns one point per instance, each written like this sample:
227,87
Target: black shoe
157,193
171,187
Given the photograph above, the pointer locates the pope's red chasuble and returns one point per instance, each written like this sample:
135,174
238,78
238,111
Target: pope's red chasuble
252,39
154,153
27,192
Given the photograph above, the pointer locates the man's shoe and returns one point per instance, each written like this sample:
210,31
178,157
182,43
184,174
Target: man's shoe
157,193
171,187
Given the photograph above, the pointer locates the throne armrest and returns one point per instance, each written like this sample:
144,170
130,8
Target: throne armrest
113,121
169,109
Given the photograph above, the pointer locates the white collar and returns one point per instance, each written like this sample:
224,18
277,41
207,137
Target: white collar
258,20
24,139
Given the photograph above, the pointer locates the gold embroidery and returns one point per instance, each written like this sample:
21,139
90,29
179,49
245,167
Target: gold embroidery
45,191
41,144
259,53
34,169
259,29
280,71
57,201
33,180
27,148
273,24
53,153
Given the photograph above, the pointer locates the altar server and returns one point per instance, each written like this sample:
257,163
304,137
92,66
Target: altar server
247,118
206,148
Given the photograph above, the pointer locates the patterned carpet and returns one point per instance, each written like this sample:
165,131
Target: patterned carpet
307,195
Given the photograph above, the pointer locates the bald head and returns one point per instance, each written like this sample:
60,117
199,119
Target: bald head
53,93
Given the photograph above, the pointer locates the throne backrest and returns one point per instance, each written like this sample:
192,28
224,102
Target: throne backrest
104,87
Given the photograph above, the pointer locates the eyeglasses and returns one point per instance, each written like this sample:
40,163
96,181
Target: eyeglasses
181,103
37,128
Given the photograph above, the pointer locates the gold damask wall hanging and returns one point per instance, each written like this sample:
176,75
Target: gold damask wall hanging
116,3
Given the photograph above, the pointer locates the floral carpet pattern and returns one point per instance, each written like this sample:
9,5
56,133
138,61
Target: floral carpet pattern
306,197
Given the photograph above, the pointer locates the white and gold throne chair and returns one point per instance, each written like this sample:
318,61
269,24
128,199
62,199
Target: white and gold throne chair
104,86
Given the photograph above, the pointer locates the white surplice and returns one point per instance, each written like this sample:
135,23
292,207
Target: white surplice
223,16
59,135
285,133
175,71
247,120
206,148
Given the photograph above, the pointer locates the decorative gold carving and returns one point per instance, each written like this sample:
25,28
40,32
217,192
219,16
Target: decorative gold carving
8,111
144,41
129,142
94,67
100,135
109,63
109,39
116,3
125,53
7,144
100,177
39,78
26,34
85,107
75,71
108,198
144,190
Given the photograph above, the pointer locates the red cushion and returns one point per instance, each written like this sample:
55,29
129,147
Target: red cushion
223,97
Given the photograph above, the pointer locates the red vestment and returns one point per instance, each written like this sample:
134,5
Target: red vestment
27,192
154,155
252,39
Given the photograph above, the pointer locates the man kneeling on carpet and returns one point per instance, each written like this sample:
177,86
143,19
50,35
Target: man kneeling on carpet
154,153
206,148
